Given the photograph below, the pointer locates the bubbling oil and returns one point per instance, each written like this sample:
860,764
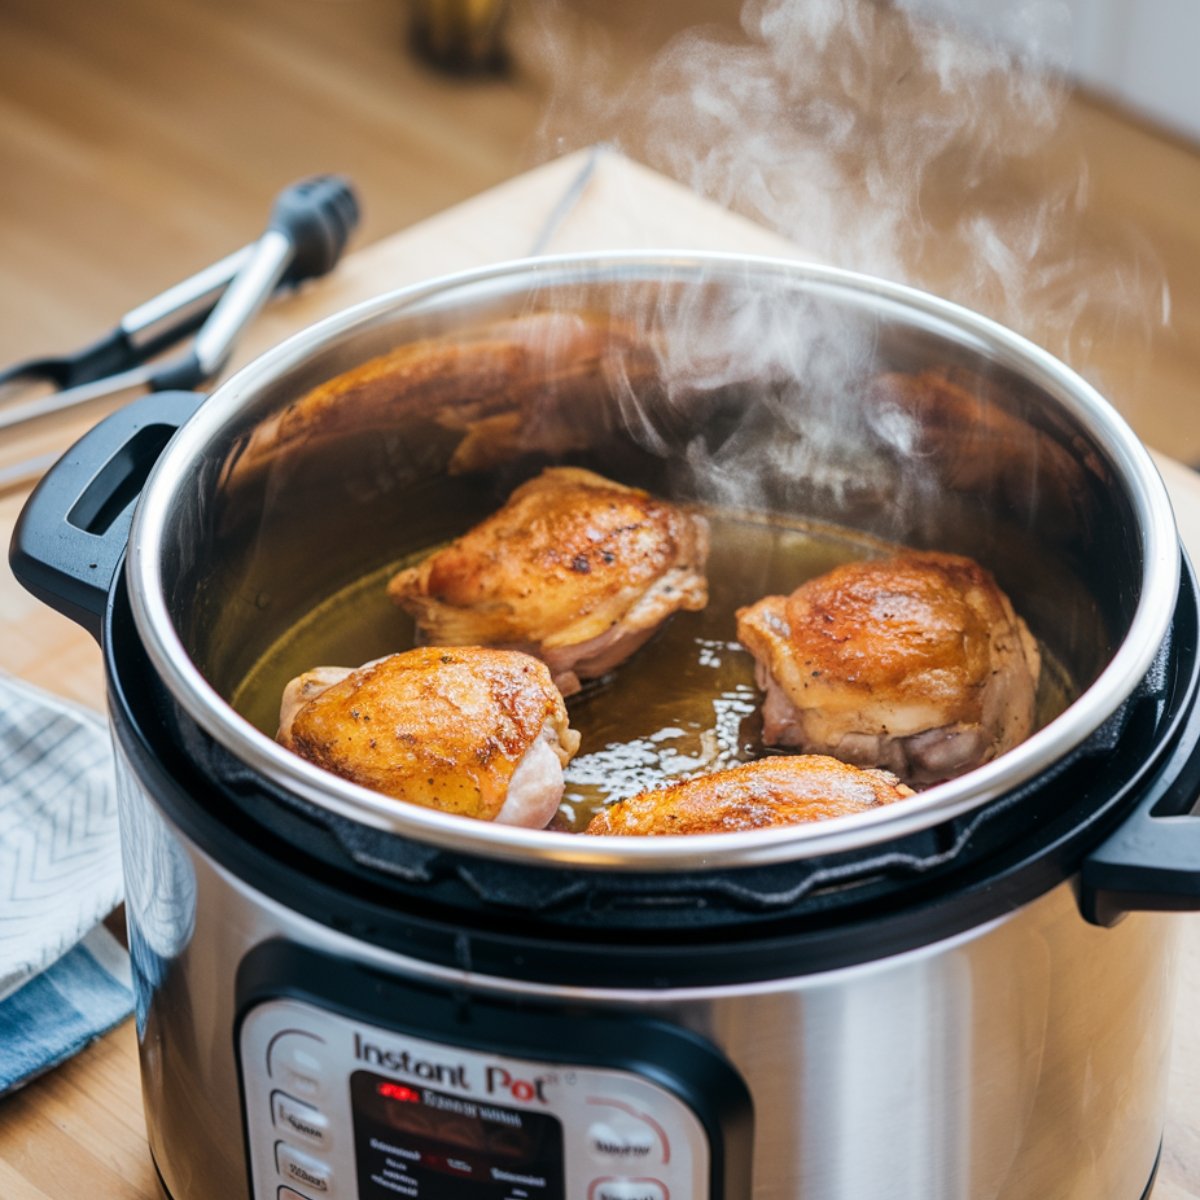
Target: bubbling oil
684,705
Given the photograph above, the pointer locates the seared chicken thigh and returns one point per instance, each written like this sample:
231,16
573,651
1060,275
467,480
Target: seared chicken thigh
574,569
916,663
466,730
539,383
772,791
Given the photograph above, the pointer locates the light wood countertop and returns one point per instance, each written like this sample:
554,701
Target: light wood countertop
78,1131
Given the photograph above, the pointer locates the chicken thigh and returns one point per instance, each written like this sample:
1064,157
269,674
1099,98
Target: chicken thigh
916,663
538,383
574,569
482,733
784,790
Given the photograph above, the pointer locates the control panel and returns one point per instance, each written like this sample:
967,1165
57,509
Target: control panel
340,1109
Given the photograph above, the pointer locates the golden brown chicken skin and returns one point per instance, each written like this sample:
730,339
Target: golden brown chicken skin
574,569
478,732
963,434
915,663
786,790
540,382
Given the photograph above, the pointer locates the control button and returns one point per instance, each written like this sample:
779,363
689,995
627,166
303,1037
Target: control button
286,1193
628,1189
302,1120
621,1141
293,1061
308,1086
312,1174
619,1114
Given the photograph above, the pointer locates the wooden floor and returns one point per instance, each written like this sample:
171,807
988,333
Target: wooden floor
141,139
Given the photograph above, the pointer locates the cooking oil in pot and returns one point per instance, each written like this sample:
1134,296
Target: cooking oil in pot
685,704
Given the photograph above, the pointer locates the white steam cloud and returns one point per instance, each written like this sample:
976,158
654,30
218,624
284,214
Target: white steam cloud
917,140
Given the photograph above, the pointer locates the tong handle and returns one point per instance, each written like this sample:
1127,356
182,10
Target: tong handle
70,537
142,333
311,222
104,357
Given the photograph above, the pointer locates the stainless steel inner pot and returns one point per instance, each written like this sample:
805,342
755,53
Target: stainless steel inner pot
729,380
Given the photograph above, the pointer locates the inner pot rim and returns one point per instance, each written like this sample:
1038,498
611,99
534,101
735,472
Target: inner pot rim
1127,668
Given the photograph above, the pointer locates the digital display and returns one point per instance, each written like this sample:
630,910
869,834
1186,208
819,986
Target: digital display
411,1141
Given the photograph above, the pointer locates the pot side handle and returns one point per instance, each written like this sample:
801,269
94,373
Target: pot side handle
71,535
1151,863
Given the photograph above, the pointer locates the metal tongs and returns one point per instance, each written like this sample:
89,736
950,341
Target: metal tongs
310,223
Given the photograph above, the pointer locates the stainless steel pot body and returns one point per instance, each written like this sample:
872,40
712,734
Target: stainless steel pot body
1022,1060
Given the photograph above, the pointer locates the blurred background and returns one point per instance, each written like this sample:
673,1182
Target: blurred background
1039,160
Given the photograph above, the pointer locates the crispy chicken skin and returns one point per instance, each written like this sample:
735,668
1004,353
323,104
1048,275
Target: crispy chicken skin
783,790
574,569
915,663
482,733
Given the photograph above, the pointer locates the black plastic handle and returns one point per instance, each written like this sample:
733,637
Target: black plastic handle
1152,862
72,532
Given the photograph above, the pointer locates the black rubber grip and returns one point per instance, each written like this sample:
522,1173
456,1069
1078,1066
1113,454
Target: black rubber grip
318,215
180,374
112,353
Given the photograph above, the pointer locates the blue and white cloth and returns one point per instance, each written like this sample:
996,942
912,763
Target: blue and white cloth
64,980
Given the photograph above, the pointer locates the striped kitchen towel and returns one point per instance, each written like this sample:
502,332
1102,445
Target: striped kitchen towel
55,1014
60,874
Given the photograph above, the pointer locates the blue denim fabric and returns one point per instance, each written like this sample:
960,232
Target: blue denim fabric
53,1016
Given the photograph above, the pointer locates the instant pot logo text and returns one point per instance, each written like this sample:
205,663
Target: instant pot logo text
401,1062
497,1080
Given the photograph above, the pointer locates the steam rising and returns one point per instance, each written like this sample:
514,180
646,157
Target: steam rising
884,137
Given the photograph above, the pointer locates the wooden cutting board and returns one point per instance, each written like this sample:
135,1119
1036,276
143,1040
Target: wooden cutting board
78,1131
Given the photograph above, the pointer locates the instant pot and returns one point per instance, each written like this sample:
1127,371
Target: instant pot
966,994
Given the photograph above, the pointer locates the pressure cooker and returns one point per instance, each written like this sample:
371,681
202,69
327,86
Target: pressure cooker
965,994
